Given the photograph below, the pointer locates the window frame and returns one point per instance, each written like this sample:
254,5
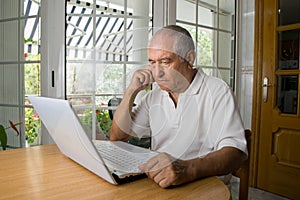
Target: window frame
217,29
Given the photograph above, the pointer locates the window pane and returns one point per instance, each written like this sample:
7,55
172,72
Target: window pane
288,50
31,8
226,14
32,35
8,9
287,93
288,11
32,127
110,38
10,84
207,13
137,40
184,6
205,46
226,75
225,53
110,79
32,74
9,46
81,77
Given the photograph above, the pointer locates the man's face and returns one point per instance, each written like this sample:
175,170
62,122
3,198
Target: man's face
168,69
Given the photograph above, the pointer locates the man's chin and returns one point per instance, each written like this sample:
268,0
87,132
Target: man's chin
163,87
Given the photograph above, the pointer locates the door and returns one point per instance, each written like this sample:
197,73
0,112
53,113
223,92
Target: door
279,133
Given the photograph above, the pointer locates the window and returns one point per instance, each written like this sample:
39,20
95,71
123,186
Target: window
212,24
105,43
19,67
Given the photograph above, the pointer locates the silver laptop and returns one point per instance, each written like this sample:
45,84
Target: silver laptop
99,156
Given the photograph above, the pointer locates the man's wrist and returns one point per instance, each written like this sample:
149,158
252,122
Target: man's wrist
194,169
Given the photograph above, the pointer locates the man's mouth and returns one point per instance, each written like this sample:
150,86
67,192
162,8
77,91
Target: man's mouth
161,80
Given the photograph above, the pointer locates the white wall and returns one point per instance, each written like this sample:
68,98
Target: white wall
245,59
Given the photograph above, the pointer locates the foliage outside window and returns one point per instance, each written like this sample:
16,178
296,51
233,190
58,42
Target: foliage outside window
103,122
32,87
32,126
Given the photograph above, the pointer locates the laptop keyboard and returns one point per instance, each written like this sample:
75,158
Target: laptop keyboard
125,159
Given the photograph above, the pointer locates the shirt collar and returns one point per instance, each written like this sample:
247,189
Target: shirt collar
196,83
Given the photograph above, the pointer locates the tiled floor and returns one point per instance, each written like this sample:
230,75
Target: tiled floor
254,193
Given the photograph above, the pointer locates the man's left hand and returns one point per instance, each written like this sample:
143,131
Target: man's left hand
165,170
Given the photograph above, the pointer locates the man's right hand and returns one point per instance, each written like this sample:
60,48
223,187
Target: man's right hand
141,79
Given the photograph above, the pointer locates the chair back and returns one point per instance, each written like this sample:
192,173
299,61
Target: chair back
243,171
114,102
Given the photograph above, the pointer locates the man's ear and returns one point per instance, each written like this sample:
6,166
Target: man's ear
190,57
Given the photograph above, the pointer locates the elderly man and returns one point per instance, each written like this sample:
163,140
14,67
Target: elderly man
191,117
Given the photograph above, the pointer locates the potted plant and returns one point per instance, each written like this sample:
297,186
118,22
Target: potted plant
32,126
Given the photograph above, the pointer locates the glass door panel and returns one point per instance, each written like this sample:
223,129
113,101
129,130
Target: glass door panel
288,50
288,12
287,93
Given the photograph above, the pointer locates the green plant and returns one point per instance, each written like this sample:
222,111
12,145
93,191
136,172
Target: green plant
104,121
102,118
3,134
32,125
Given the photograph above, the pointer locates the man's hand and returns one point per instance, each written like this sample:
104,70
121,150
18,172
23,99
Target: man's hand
121,124
141,79
166,170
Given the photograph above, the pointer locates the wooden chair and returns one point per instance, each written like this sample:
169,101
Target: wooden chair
243,171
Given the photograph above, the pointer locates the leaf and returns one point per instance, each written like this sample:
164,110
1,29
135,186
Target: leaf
3,137
14,126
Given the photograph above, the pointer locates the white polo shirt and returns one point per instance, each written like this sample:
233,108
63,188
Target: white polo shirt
206,119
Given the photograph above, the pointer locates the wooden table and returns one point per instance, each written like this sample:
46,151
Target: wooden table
42,172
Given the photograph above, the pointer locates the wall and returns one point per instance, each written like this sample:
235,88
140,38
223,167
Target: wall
245,62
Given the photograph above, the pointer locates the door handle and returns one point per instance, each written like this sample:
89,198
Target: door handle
265,89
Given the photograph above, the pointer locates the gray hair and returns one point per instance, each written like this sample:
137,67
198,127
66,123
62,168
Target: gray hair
183,41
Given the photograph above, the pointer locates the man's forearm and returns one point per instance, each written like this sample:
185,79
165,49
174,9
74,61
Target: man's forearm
122,120
221,162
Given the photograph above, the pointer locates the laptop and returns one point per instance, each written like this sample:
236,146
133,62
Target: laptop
68,133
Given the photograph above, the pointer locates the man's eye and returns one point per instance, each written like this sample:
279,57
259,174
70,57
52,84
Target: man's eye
165,64
151,64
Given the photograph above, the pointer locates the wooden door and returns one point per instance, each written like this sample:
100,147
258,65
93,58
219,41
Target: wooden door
278,132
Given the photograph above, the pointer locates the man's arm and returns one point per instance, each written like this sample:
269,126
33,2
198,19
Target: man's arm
121,125
166,171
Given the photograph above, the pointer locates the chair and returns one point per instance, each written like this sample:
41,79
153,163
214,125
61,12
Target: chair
243,171
114,102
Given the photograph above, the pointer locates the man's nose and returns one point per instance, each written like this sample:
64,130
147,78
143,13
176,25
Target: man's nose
158,70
